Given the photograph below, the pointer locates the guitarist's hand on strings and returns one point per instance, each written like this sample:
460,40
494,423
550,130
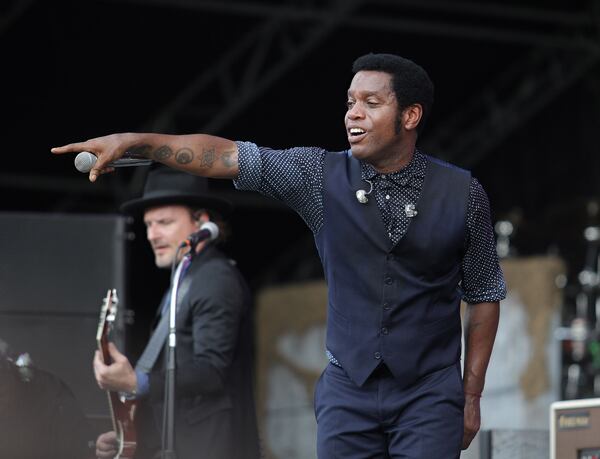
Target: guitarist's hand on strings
107,445
118,375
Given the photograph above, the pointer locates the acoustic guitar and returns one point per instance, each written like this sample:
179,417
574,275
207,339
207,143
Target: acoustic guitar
122,411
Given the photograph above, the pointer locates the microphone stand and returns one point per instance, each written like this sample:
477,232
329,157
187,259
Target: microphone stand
168,431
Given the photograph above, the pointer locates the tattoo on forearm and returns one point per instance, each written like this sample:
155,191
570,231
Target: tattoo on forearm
162,153
184,156
207,158
228,159
140,150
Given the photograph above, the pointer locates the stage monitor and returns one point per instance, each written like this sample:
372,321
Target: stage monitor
575,429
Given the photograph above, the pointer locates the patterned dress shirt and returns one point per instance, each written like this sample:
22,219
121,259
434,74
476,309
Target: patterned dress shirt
296,177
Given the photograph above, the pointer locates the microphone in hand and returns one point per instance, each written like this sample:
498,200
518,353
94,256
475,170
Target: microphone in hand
85,160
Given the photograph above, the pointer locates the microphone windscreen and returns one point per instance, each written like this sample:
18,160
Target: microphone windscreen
84,161
212,228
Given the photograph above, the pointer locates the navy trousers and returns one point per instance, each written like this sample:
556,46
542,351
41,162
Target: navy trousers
381,420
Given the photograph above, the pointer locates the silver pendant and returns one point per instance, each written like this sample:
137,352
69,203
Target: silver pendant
410,210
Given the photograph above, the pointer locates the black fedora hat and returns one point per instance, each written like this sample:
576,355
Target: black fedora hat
165,186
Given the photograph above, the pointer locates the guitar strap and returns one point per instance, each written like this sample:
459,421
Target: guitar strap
159,337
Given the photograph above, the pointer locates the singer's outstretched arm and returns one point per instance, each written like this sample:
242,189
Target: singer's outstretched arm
199,154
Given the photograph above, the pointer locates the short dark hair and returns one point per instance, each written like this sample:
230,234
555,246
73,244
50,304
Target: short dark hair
410,81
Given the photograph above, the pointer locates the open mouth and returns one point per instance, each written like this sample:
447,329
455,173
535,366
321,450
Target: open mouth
356,134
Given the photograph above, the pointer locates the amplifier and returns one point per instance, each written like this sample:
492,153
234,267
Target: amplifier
575,429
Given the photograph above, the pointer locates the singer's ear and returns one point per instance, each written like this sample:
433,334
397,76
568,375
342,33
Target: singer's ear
411,116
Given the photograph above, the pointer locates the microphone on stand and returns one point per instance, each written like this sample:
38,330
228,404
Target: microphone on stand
85,160
208,231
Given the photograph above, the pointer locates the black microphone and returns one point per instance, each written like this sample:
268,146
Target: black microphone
85,160
208,231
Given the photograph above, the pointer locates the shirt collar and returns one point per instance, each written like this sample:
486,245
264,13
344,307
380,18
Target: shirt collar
413,173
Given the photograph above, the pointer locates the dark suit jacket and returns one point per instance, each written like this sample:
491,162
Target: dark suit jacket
215,413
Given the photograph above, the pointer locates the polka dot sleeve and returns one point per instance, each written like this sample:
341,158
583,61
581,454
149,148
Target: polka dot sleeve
293,176
483,280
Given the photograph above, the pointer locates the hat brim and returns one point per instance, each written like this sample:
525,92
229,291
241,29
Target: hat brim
137,206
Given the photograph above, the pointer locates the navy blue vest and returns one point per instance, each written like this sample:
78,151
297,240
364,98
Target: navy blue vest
394,304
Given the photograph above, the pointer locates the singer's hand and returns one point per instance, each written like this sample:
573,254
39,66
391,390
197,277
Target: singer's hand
472,419
108,148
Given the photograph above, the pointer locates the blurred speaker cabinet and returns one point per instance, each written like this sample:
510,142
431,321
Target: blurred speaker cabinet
55,270
575,429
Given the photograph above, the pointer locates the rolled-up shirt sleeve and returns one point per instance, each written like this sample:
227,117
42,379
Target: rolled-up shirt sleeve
250,166
483,280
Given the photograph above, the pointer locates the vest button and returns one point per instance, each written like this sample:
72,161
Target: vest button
390,257
377,355
384,331
386,306
389,280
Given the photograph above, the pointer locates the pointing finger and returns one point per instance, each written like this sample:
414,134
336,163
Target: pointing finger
70,148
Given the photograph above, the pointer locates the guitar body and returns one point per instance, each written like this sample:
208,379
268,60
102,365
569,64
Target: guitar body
122,410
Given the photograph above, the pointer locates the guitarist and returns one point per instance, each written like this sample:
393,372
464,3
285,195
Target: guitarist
214,408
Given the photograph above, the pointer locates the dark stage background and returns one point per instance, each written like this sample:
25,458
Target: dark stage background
517,102
74,70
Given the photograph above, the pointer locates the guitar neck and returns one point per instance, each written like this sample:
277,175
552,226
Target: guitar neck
122,412
113,397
